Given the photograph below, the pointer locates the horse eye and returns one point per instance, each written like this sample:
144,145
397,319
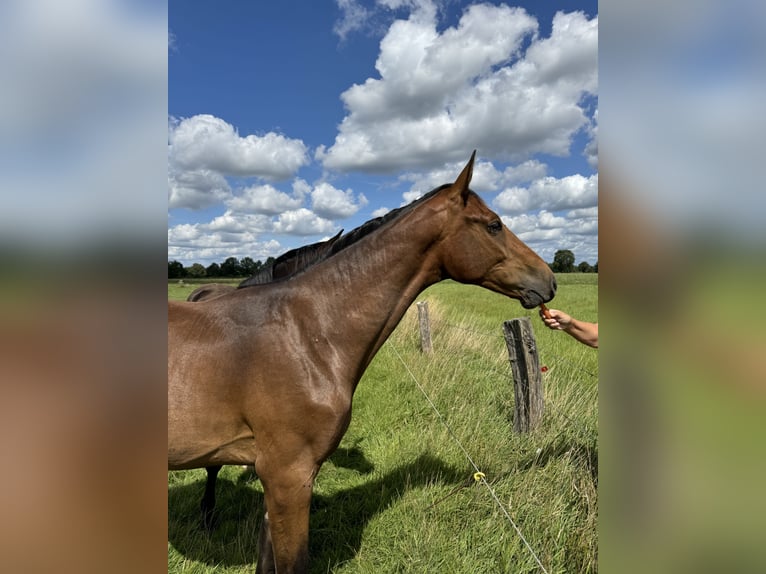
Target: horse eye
494,227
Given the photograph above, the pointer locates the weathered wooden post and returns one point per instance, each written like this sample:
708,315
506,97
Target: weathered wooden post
527,380
425,327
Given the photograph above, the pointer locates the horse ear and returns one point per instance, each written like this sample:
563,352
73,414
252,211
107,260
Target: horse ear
464,179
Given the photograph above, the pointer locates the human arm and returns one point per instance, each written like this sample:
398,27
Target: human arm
582,331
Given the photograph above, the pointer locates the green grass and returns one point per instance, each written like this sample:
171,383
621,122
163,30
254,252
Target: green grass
379,503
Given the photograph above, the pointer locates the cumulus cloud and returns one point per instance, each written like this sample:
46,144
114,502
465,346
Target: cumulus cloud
332,203
524,172
553,214
302,222
228,235
203,149
264,199
196,189
547,232
207,142
469,86
570,192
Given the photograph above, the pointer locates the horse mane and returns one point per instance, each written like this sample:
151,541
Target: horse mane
373,225
310,255
263,275
300,258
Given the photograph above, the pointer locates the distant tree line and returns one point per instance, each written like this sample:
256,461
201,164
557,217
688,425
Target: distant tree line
230,267
563,262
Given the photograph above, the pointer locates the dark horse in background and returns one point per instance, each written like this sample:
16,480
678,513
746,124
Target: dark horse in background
265,374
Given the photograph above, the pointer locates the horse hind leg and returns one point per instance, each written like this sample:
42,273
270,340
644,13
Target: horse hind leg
208,499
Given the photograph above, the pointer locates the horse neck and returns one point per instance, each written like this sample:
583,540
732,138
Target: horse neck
373,282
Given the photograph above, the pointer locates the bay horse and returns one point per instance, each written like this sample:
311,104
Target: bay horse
266,374
282,267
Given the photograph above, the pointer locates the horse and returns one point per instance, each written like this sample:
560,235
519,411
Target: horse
282,267
209,290
265,375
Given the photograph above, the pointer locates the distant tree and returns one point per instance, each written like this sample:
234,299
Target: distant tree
584,267
213,270
595,267
269,261
231,268
196,270
563,261
249,267
176,270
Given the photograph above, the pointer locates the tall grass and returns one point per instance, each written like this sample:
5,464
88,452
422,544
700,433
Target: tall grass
399,494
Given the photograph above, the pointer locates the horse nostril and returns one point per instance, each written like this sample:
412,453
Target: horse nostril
553,284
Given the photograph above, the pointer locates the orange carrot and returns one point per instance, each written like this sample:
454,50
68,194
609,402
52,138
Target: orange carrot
545,311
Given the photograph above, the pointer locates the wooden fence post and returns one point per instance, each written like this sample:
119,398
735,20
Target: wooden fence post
425,327
527,380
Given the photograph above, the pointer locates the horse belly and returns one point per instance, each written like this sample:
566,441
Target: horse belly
195,454
206,425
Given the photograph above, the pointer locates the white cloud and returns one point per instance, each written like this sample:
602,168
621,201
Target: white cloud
525,172
196,189
229,227
209,249
569,57
264,199
591,148
439,93
410,196
570,192
302,222
228,235
554,214
547,220
546,232
207,142
354,17
231,222
585,213
513,200
332,203
203,149
183,233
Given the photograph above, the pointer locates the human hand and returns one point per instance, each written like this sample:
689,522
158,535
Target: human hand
557,320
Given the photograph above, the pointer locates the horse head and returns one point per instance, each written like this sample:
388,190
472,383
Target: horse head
478,248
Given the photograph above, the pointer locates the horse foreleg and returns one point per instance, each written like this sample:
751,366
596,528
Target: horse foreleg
265,552
208,499
288,498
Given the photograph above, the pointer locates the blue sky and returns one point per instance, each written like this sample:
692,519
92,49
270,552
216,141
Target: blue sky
289,121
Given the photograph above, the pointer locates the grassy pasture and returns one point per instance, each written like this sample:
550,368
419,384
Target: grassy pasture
379,504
